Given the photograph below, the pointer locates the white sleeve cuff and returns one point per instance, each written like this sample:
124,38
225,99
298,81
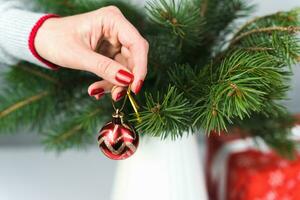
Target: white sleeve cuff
16,34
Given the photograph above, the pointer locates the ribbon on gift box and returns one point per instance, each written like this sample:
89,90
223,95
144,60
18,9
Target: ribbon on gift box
219,167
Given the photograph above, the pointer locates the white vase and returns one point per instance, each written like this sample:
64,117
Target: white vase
162,170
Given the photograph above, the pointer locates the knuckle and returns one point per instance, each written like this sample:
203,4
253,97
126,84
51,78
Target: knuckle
114,9
110,12
146,44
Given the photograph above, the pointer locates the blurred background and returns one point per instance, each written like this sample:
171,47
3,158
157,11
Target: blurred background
29,172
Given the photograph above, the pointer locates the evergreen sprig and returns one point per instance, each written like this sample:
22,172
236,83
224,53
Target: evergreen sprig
240,86
167,115
23,100
181,18
77,128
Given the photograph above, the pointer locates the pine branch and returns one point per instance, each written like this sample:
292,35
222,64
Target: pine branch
277,32
76,129
159,63
38,73
240,86
290,18
33,94
184,78
290,29
180,18
22,103
165,116
23,99
21,108
65,136
258,49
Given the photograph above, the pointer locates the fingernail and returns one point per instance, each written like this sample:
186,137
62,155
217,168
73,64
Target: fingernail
139,87
99,96
97,91
120,95
124,77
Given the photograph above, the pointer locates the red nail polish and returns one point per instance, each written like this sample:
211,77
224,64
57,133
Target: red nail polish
124,77
97,91
139,87
120,95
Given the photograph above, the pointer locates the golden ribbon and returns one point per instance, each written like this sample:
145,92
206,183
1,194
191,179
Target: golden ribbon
134,105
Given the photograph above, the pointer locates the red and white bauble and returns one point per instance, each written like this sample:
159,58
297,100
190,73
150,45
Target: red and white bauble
117,139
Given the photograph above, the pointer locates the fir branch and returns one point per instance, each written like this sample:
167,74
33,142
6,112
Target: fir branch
167,116
180,17
290,29
66,135
258,49
36,94
29,75
38,73
290,18
20,107
22,103
240,86
185,79
159,63
76,129
203,7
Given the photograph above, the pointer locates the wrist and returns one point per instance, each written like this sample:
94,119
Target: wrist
38,36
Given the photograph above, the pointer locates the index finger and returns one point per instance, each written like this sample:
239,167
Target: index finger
138,47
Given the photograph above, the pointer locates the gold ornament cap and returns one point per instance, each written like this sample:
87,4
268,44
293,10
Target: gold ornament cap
118,117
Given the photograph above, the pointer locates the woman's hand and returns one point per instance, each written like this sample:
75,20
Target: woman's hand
102,42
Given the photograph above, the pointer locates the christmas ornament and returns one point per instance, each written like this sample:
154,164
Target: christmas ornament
118,140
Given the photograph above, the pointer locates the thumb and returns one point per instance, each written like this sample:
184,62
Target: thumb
108,69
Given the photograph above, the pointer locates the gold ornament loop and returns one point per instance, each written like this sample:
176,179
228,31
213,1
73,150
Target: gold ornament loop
122,107
133,103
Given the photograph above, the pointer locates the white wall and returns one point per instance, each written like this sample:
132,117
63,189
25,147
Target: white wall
29,173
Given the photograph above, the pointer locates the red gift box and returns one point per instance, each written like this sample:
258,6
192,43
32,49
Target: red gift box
256,175
238,170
